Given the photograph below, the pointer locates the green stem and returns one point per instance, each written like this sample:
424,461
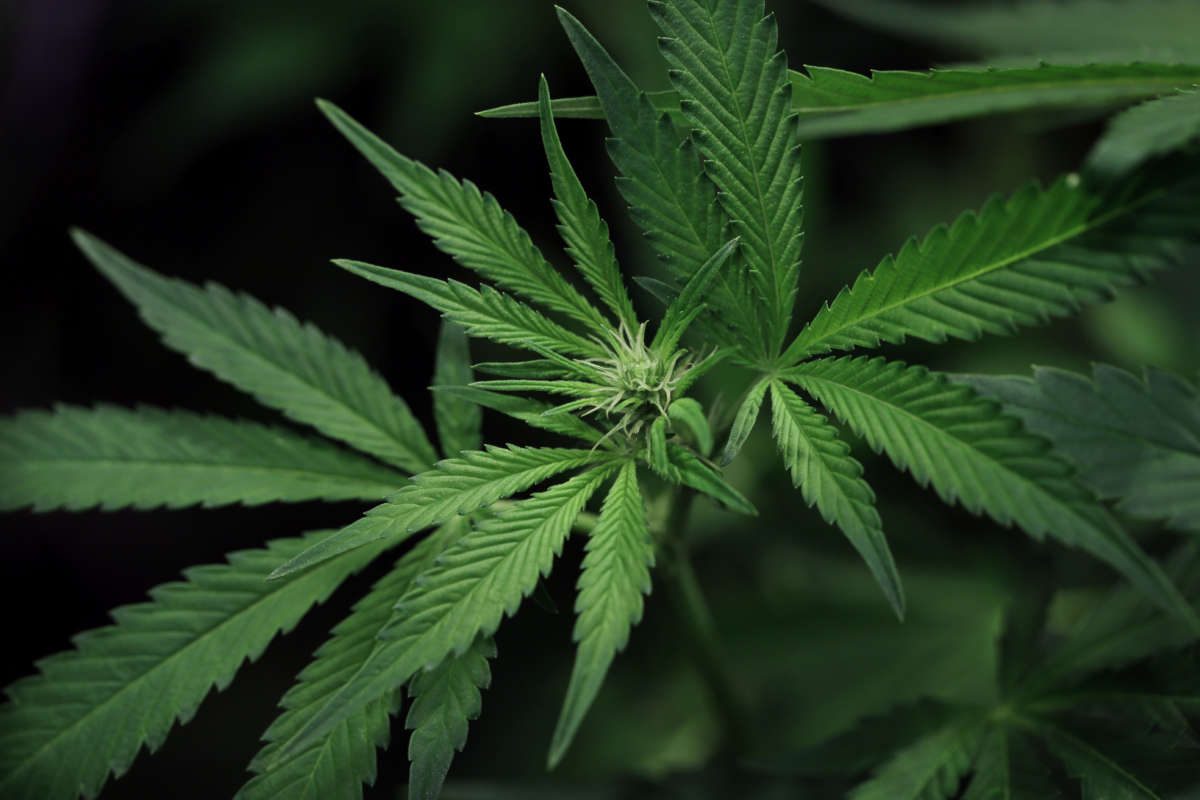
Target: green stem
699,630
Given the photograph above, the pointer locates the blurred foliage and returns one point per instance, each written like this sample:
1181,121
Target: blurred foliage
184,132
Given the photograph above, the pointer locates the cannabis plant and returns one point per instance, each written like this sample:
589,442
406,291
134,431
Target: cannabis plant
711,173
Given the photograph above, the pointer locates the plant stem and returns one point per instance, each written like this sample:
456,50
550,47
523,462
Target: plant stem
699,630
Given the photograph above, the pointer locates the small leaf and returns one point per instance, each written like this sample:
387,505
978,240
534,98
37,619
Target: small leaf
687,412
1149,130
459,421
690,470
744,419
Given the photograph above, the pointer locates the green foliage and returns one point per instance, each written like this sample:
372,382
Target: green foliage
77,458
1059,703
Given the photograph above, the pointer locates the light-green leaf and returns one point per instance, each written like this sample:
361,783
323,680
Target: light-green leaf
830,478
531,412
616,573
733,84
483,312
1133,440
1020,261
474,584
582,229
468,225
743,420
444,700
973,454
336,766
457,486
929,769
687,468
459,421
1151,129
78,458
688,304
295,368
91,709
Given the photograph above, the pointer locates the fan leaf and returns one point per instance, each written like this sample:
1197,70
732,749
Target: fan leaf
733,84
337,765
615,576
90,710
930,769
475,583
457,486
294,368
1021,261
468,225
78,458
831,479
973,454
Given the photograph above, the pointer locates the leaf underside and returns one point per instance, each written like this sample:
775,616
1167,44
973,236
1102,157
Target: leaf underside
1151,129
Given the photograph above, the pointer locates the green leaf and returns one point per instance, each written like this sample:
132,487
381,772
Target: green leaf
1133,440
483,311
1036,27
457,486
529,411
1039,254
459,421
833,102
687,413
468,225
78,458
444,700
90,710
616,573
690,301
475,583
690,470
1007,769
973,454
670,197
930,769
656,447
744,419
1101,777
830,478
295,368
734,87
1123,628
336,765
1152,129
582,229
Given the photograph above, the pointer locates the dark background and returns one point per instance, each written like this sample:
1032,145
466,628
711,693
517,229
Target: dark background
183,133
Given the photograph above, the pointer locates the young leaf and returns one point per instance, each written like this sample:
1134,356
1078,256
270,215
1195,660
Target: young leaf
743,420
1021,261
734,87
444,700
475,583
929,769
335,766
457,486
295,368
468,225
459,421
1133,440
90,710
583,231
1007,769
616,573
529,411
833,102
669,195
689,303
830,478
686,468
483,311
77,458
972,453
687,413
